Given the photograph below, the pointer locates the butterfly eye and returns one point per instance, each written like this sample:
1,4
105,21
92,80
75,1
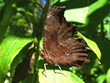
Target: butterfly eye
55,7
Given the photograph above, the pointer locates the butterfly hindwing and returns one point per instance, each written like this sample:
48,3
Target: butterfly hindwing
61,47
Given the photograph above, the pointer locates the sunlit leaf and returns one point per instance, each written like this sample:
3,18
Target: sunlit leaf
58,76
101,79
77,15
92,45
108,76
9,48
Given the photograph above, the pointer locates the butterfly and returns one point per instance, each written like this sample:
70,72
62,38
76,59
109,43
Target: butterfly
61,46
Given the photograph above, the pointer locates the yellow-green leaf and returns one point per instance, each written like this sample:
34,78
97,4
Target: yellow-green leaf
92,45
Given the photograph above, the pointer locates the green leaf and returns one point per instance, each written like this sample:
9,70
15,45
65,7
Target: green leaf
52,2
9,48
31,78
76,15
101,79
5,17
92,45
108,76
19,58
58,76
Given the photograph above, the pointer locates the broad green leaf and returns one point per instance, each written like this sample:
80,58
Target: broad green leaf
92,45
101,79
77,15
108,76
19,58
58,76
97,5
9,48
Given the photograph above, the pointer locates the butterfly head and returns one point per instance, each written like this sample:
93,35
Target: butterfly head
57,10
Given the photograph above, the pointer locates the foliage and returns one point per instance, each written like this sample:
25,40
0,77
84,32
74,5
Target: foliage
21,26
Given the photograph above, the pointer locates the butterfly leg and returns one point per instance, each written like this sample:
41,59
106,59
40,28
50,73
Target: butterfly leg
45,70
60,69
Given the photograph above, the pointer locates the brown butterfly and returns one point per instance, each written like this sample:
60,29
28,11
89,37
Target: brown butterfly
61,47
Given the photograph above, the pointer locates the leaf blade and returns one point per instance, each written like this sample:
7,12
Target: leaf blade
58,76
92,45
9,48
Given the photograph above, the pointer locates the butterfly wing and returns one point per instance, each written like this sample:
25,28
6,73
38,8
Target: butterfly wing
59,46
